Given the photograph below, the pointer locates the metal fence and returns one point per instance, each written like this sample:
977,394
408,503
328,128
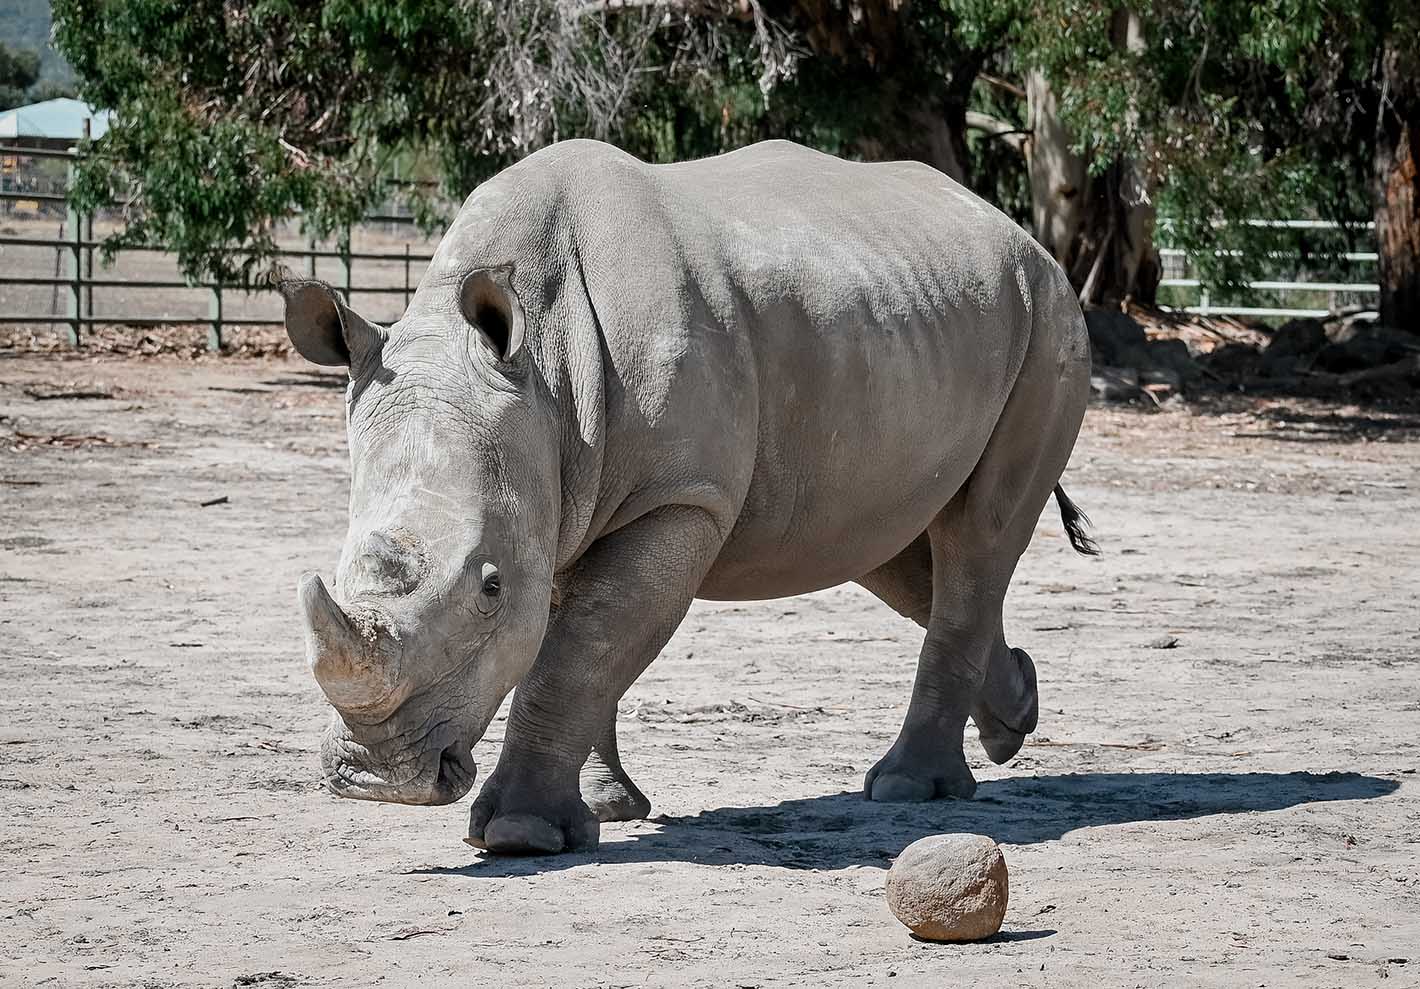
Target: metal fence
1338,295
75,279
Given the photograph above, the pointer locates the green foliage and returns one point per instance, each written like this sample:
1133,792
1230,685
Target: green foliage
19,70
231,116
1236,110
235,114
25,24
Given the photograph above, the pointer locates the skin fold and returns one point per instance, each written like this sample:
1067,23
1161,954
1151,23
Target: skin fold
623,386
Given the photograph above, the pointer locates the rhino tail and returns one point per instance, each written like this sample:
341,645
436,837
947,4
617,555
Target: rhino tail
1076,522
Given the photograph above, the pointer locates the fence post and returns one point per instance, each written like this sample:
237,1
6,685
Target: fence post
1203,309
89,265
88,229
74,257
406,274
214,316
345,265
311,258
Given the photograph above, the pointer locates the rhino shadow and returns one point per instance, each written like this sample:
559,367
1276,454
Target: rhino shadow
835,831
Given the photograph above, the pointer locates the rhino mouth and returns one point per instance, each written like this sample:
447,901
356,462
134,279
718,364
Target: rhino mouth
427,774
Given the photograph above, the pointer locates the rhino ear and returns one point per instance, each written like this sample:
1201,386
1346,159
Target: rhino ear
322,328
488,301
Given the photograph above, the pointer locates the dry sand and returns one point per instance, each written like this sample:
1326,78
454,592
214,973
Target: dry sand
1238,810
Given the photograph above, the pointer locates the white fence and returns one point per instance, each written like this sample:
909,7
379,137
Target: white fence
1175,259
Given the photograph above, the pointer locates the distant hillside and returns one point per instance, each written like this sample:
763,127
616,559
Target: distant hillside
25,23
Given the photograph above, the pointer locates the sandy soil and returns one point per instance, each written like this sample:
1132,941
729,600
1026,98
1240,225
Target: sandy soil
1238,810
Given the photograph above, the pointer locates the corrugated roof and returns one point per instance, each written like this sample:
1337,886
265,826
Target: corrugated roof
61,120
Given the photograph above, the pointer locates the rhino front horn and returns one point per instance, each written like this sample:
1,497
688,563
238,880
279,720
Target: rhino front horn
349,667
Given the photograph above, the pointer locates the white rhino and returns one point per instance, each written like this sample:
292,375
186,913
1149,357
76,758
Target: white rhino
623,386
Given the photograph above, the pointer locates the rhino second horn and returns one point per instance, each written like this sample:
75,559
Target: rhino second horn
348,668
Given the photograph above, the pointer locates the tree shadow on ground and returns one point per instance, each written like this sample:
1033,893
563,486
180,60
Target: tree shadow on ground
839,830
1304,426
310,379
1292,417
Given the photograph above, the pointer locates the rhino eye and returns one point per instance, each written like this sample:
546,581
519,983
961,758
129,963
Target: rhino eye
490,589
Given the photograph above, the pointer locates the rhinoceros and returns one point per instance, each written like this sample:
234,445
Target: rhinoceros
620,387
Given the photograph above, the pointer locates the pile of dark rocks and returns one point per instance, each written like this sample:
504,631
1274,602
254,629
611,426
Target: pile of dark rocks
1147,355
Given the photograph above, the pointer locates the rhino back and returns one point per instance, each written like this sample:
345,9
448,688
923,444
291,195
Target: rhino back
816,350
888,311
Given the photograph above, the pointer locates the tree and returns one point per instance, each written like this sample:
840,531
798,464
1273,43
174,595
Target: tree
1396,190
19,70
1232,110
1082,117
232,116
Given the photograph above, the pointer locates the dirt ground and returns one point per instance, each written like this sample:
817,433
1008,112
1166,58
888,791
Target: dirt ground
1237,810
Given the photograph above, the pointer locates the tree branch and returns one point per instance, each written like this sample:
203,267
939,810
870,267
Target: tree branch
1003,84
738,9
994,128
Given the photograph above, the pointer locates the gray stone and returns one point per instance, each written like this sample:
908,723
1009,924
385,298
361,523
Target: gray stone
1232,359
1115,384
1112,335
1173,355
1295,338
950,887
1355,346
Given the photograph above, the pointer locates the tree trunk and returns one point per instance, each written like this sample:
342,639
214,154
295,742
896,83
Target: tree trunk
939,143
1099,227
1397,192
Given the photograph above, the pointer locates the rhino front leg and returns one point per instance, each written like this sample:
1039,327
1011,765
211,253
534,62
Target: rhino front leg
621,603
606,787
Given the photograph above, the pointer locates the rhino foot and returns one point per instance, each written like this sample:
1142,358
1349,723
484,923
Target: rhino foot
899,778
1008,708
611,800
512,819
608,791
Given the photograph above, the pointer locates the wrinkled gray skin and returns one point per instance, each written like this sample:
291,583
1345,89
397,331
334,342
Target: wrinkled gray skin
620,387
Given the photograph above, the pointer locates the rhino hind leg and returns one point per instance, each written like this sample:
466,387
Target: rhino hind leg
1008,706
1005,710
926,762
606,788
966,558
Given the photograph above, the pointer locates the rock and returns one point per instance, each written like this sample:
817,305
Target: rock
949,887
1161,382
1295,338
1285,366
1232,359
1112,336
1173,355
1115,384
1358,345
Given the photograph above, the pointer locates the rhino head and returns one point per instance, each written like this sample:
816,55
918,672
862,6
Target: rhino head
442,594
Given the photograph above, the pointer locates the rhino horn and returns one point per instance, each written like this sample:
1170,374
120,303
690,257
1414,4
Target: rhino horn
349,669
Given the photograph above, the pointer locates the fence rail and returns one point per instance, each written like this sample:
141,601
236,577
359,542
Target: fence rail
1206,307
74,270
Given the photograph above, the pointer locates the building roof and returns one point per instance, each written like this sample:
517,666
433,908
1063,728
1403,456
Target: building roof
54,120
